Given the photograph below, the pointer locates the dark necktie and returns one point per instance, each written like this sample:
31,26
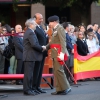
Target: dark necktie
42,29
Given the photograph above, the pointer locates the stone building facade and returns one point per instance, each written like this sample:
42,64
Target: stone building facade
95,13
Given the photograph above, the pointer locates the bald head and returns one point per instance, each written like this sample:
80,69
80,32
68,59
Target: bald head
18,28
39,18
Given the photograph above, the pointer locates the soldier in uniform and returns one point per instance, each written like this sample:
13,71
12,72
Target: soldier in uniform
58,54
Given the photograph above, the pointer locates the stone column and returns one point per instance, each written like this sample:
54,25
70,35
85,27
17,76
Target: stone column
38,8
95,13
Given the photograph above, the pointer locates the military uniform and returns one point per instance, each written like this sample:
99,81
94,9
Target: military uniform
59,37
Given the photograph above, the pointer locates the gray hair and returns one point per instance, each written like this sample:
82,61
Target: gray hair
30,21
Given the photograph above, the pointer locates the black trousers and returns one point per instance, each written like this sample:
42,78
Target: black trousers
37,75
19,69
28,75
19,66
6,66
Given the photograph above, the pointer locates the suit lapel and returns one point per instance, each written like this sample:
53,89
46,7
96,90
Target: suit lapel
41,31
21,40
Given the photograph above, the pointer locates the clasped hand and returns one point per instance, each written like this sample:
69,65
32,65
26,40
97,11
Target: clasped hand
44,48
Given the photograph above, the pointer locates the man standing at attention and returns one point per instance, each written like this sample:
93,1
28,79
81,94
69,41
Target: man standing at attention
18,42
58,51
43,39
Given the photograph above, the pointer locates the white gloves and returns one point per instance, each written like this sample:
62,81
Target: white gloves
44,48
61,56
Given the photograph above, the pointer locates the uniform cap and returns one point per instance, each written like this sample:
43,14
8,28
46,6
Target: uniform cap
53,18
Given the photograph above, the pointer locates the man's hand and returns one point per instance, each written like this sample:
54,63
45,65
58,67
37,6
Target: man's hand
61,56
72,50
44,48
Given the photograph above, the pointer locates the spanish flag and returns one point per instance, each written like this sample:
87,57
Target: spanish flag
86,66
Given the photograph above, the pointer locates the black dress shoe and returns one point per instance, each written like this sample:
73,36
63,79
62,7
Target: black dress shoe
29,93
65,92
34,92
37,91
19,83
2,82
68,90
55,93
41,91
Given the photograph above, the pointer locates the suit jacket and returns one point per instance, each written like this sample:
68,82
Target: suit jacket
82,47
98,36
68,42
11,44
32,50
18,42
42,38
58,37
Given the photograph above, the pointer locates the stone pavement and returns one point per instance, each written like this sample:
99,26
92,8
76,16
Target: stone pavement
89,90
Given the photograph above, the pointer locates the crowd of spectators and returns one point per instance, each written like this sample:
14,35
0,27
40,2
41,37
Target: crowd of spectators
87,39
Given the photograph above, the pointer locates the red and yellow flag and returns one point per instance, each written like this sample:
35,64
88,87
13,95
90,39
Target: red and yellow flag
86,66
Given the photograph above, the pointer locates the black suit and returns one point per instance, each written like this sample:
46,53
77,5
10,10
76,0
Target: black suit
82,47
43,40
32,52
69,44
98,36
18,42
69,61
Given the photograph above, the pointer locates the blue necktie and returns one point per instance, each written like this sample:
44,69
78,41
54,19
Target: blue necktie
42,30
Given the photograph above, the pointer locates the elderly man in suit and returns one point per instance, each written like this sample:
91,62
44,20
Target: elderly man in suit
32,52
18,42
58,51
43,39
70,49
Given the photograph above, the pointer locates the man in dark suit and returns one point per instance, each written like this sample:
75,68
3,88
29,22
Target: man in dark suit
18,42
70,49
43,39
32,52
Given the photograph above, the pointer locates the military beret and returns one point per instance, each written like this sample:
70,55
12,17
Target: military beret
53,18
